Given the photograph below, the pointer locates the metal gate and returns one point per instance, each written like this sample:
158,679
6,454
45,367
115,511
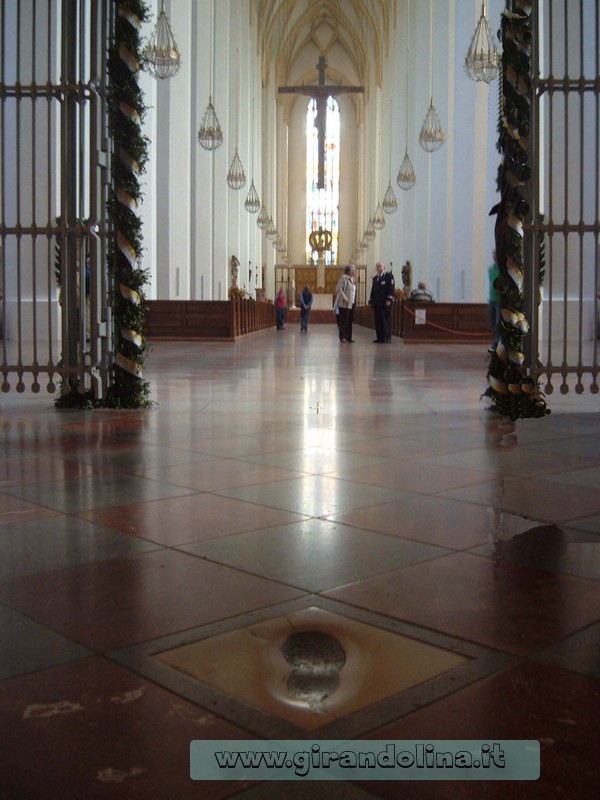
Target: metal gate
562,243
54,152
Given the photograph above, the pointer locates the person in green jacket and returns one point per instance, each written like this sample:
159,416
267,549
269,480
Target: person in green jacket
494,303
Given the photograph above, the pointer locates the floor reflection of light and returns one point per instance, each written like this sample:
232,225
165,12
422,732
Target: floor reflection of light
320,412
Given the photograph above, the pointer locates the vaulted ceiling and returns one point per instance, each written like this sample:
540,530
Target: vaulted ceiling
361,28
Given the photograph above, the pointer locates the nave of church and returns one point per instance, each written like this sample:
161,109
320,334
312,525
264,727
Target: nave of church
290,504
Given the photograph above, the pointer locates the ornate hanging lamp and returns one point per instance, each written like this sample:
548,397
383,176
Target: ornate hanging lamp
483,60
369,233
252,203
389,202
406,177
263,218
431,137
378,220
271,230
162,58
210,135
236,177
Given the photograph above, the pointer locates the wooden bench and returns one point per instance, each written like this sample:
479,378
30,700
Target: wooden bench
210,320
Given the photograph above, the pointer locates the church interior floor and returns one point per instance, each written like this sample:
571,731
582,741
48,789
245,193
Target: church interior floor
292,503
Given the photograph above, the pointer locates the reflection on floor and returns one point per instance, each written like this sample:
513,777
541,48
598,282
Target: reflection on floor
301,540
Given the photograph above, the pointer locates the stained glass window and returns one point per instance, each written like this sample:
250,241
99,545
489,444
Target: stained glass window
322,205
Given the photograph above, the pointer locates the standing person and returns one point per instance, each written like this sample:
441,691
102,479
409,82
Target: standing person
306,301
280,307
345,296
382,297
494,302
353,305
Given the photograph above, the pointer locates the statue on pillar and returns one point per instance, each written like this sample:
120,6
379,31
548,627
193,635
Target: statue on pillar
320,241
234,264
406,277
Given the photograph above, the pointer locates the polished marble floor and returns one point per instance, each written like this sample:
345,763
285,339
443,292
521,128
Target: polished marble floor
300,540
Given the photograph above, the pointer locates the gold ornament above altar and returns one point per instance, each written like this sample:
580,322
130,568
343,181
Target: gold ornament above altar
320,241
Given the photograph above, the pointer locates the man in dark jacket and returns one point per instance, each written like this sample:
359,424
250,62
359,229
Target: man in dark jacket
382,297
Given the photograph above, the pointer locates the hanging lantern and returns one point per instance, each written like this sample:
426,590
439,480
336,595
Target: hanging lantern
252,203
271,230
378,219
483,61
406,176
162,57
369,233
236,177
431,137
263,218
210,134
389,204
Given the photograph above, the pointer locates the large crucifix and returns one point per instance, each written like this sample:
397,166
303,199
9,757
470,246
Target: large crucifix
320,94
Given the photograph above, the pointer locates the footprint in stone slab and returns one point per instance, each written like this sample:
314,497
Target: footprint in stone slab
316,659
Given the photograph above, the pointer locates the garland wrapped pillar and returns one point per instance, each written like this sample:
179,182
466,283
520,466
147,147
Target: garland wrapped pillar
513,392
126,111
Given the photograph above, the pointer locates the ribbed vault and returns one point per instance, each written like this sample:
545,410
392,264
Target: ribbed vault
361,28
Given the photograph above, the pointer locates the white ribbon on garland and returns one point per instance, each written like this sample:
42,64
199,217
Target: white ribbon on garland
128,58
128,365
130,294
131,18
127,249
132,336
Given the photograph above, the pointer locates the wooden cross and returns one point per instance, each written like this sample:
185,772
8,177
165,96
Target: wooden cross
320,94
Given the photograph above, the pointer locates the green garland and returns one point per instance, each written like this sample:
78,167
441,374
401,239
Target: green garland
126,111
514,394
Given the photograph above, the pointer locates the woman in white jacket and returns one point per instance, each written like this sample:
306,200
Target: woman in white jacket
345,300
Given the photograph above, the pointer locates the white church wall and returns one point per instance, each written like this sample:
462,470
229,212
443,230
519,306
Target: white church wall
222,75
349,193
148,209
193,222
251,82
249,270
202,161
442,224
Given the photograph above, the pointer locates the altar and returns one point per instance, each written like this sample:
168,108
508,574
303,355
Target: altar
322,302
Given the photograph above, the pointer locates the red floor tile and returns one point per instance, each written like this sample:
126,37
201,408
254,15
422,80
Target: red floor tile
92,729
527,701
181,520
510,607
111,604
